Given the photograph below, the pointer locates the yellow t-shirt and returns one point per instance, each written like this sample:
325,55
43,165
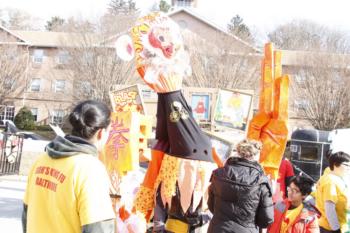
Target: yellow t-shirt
64,194
332,188
290,218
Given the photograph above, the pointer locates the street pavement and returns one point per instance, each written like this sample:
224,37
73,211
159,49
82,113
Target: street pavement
11,195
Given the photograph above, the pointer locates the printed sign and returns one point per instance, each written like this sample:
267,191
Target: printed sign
127,100
200,104
232,109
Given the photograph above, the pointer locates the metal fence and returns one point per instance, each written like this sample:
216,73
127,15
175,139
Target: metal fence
10,153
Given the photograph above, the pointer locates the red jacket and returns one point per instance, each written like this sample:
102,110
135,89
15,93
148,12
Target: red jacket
306,222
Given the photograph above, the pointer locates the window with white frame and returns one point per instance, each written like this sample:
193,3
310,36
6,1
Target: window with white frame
7,113
59,85
57,116
38,56
34,113
300,78
183,3
63,57
35,85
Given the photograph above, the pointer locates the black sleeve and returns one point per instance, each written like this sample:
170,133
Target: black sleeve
107,226
264,215
24,218
211,198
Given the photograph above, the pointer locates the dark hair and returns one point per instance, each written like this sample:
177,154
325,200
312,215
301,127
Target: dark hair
303,183
338,158
88,117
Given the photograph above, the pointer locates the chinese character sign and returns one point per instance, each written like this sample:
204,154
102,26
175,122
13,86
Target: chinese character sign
127,99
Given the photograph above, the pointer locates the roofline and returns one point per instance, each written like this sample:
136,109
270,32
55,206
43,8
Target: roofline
12,33
313,52
113,37
217,27
14,43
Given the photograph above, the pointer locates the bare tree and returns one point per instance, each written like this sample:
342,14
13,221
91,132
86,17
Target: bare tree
321,90
13,63
94,68
310,36
320,82
223,66
111,25
2,20
71,24
19,20
77,25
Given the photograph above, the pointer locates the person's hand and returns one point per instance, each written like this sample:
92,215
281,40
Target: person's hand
276,192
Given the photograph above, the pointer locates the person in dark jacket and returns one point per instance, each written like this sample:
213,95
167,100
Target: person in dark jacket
240,196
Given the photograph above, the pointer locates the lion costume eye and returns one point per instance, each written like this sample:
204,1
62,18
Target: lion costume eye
161,38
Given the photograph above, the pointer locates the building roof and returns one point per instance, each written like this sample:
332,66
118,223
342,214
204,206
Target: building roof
56,39
308,58
21,40
51,39
194,14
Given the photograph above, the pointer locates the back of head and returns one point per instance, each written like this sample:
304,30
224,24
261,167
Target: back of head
303,183
249,149
88,117
335,159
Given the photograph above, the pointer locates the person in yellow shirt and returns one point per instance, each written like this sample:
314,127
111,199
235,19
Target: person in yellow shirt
68,187
331,198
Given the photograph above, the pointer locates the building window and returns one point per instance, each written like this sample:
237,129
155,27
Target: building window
309,153
63,57
38,56
34,113
301,104
59,85
88,58
183,3
35,85
7,113
9,83
57,117
300,78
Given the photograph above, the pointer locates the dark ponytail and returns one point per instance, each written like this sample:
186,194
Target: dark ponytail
88,117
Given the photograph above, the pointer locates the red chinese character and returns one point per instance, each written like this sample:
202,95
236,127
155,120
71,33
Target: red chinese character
117,137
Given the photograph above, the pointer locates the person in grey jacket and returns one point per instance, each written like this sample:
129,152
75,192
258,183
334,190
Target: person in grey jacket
68,187
240,195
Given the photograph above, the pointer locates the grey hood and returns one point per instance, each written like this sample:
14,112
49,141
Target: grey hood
67,146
